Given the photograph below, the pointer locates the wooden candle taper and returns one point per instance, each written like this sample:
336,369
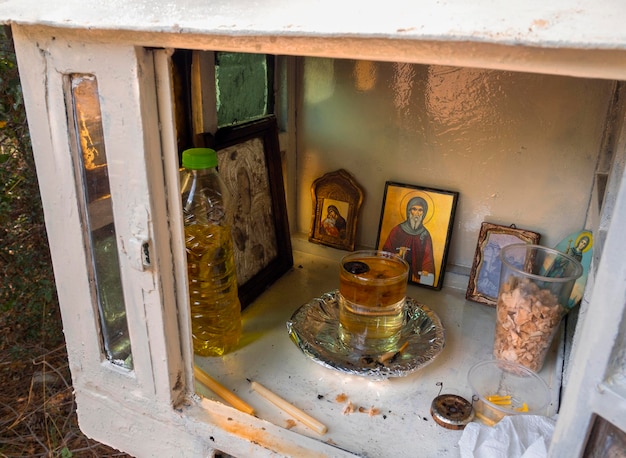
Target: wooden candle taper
221,391
292,410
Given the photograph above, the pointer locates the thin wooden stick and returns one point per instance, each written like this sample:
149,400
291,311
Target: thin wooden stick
292,410
221,391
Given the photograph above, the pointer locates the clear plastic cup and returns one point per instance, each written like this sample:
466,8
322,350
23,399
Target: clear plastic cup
535,287
503,388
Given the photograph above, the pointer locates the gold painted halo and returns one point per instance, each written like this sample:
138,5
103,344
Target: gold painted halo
583,235
424,195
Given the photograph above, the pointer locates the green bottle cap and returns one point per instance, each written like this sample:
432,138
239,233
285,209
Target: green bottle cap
199,158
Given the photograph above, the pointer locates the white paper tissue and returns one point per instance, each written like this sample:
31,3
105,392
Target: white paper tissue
516,436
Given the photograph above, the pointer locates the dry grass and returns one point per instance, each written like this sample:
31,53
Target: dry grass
37,406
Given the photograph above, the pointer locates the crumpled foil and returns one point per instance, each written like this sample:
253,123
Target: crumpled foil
314,329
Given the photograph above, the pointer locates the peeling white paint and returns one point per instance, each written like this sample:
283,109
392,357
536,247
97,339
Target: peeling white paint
500,164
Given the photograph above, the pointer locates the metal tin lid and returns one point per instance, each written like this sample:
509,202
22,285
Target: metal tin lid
451,411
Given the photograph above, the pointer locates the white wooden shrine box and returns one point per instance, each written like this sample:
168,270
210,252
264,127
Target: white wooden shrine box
435,109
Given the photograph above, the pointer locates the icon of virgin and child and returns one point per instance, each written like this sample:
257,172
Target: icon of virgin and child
334,224
411,240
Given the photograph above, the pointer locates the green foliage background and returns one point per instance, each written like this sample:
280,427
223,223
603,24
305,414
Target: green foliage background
29,313
37,418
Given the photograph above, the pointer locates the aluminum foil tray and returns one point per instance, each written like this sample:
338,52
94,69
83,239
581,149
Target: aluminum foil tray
314,329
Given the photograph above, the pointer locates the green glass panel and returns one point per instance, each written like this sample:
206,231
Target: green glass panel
243,86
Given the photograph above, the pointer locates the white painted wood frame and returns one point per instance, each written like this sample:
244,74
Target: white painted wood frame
151,410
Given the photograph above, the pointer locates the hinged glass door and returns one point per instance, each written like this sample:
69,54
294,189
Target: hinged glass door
95,127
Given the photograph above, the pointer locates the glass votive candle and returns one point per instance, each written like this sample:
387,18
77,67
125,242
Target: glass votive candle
372,294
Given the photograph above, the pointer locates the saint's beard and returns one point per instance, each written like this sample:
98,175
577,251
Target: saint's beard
415,221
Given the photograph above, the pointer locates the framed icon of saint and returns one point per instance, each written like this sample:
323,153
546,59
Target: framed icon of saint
416,223
337,199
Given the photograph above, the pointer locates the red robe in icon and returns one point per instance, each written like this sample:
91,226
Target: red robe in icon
419,248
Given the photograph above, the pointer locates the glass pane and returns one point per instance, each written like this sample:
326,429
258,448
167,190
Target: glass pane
605,440
243,86
99,219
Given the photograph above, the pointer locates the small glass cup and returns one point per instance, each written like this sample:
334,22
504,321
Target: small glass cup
535,287
372,294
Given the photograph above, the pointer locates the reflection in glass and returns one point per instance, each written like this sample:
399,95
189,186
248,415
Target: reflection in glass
93,168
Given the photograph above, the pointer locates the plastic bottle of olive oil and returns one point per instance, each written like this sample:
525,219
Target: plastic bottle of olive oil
213,295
